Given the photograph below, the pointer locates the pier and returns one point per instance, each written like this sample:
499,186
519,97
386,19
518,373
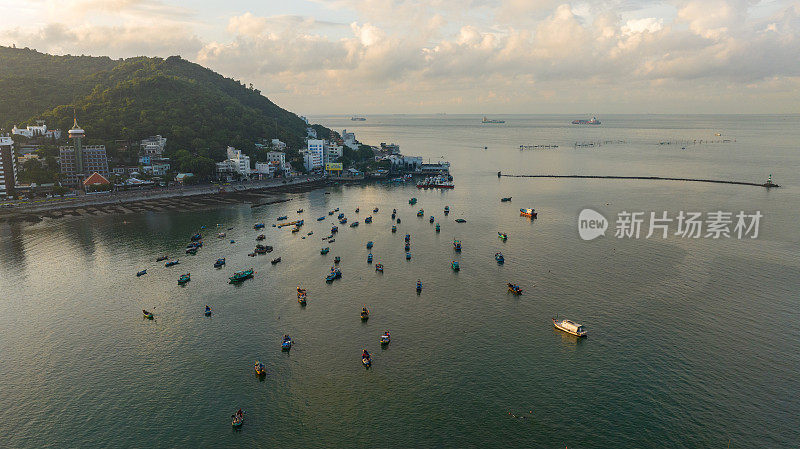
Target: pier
769,184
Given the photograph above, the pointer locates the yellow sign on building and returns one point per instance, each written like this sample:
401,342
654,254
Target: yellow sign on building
333,166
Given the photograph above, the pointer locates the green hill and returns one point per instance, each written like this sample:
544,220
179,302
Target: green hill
195,108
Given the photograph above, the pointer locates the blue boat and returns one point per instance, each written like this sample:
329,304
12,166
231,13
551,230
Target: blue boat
446,210
394,228
233,241
141,273
286,344
219,263
431,219
320,218
185,278
343,221
455,266
208,311
369,244
283,217
407,247
366,359
369,258
324,250
258,226
457,245
419,285
421,213
368,219
172,262
408,256
340,216
330,213
334,229
499,257
379,267
408,238
394,215
196,237
334,274
354,224
438,228
412,201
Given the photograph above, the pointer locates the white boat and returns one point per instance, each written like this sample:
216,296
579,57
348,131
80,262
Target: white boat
569,327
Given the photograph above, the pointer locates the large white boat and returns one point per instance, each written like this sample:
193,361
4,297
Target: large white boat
569,327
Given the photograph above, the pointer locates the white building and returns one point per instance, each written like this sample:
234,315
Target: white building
8,166
159,168
277,145
313,155
312,133
278,158
266,169
332,152
349,140
40,129
153,146
407,163
239,162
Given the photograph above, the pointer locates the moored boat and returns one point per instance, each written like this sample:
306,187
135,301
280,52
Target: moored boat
196,237
385,338
141,273
357,209
282,217
412,201
299,211
275,261
364,313
369,258
369,244
368,219
334,229
219,263
191,251
344,221
454,265
408,256
321,219
185,278
457,245
514,288
499,257
354,224
366,359
394,228
502,236
258,226
419,285
207,311
172,263
286,344
340,216
460,220
240,276
421,213
237,419
446,210
325,250
529,213
261,237
569,327
162,258
337,259
147,315
438,228
505,199
260,369
375,211
379,267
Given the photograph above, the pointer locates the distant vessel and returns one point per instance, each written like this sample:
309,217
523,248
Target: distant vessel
357,118
569,327
487,120
593,121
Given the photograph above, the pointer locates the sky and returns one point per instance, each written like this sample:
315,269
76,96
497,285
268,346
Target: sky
452,56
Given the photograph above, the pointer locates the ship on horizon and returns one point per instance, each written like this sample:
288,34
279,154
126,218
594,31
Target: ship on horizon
358,118
593,121
486,120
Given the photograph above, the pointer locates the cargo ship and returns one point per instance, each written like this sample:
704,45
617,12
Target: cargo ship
593,121
486,120
436,182
357,118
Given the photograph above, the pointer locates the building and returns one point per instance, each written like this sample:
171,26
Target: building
405,163
238,161
278,158
266,169
312,133
125,170
313,155
153,146
182,177
277,145
8,167
349,140
391,148
96,182
78,161
439,168
332,152
38,130
157,168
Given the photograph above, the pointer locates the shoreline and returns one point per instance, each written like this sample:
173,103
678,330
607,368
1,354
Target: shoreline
159,200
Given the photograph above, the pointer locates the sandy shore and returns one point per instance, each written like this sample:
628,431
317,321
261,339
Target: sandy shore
179,199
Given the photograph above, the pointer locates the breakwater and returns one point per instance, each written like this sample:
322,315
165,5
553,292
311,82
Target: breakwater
768,184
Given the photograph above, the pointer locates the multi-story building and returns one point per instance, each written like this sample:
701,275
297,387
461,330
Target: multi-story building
157,168
266,169
78,162
153,146
313,155
332,152
278,158
239,162
8,167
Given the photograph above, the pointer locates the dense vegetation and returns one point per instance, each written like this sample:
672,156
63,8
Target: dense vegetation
199,111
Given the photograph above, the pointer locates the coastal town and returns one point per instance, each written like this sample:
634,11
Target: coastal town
31,169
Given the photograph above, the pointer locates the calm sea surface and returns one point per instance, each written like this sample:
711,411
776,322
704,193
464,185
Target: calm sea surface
692,343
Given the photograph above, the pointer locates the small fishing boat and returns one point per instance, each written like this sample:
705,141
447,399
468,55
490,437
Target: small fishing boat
394,215
191,251
446,210
299,211
394,228
455,266
421,213
185,278
197,244
233,241
331,240
321,219
310,233
286,344
340,216
569,327
283,217
252,254
330,213
162,258
364,313
514,288
357,210
221,235
196,237
419,285
503,236
301,298
431,219
366,359
354,224
238,419
334,229
394,211
412,201
457,245
369,244
219,263
301,291
460,220
408,256
141,273
172,263
295,230
344,221
261,237
369,258
438,228
379,267
207,311
499,257
528,213
337,259
368,219
385,338
407,247
375,211
336,210
274,261
260,369
505,199
325,250
398,220
146,314
240,276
